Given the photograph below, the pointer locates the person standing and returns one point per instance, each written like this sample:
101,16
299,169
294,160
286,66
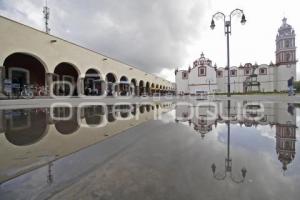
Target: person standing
291,86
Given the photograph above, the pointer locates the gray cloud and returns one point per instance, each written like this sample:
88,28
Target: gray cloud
151,35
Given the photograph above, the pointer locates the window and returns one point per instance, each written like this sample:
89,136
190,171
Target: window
287,43
184,75
247,71
262,71
287,57
202,71
195,63
219,74
233,72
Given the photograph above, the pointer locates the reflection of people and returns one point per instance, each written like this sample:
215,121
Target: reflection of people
15,86
291,109
291,86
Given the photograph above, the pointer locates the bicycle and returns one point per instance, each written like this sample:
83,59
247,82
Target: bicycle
27,92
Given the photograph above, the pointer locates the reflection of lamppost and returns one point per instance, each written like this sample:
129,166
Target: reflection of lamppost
50,176
228,160
227,28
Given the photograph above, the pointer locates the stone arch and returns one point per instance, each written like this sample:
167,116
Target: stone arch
67,75
141,87
152,89
93,72
111,79
147,88
92,84
123,78
135,87
124,86
22,69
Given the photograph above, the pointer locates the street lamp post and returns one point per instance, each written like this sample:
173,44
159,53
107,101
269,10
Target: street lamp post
227,30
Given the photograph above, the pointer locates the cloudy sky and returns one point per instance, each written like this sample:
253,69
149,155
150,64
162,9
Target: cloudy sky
161,35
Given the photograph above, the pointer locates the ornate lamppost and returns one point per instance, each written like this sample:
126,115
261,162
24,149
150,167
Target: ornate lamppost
228,160
227,29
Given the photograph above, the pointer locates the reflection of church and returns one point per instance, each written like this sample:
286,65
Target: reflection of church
280,116
285,143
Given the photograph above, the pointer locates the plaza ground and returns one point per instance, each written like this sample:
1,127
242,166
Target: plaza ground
31,103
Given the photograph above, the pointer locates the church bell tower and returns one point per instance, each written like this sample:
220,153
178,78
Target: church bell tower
286,60
285,45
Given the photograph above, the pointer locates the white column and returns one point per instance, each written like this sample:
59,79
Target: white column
80,87
49,81
1,82
2,124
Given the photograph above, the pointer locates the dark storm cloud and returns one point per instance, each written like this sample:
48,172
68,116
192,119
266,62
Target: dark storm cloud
151,35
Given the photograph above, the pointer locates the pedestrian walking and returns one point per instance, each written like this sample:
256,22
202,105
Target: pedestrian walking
291,86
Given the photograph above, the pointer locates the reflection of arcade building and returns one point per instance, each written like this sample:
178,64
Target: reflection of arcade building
27,126
40,135
282,116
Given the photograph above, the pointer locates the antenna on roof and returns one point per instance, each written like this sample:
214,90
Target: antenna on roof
46,12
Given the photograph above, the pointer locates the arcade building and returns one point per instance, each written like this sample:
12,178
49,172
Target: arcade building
204,77
46,65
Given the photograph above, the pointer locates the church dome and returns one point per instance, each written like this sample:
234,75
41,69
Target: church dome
285,29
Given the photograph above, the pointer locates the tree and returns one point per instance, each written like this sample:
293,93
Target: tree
297,86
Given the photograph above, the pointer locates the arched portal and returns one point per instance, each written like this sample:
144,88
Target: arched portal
157,89
92,83
148,88
134,87
141,88
124,86
111,80
152,88
25,70
67,75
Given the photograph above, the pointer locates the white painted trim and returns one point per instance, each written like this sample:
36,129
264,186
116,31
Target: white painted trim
11,69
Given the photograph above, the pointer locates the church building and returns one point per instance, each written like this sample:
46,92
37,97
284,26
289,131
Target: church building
204,77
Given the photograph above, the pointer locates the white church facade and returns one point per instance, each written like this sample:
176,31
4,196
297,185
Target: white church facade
204,77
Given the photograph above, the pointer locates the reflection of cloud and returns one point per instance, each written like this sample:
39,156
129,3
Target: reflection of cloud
168,117
247,138
266,131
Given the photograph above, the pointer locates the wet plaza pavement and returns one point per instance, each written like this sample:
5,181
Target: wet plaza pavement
166,150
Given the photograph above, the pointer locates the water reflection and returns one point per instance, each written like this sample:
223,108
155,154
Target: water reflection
47,134
171,160
25,127
228,160
280,116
